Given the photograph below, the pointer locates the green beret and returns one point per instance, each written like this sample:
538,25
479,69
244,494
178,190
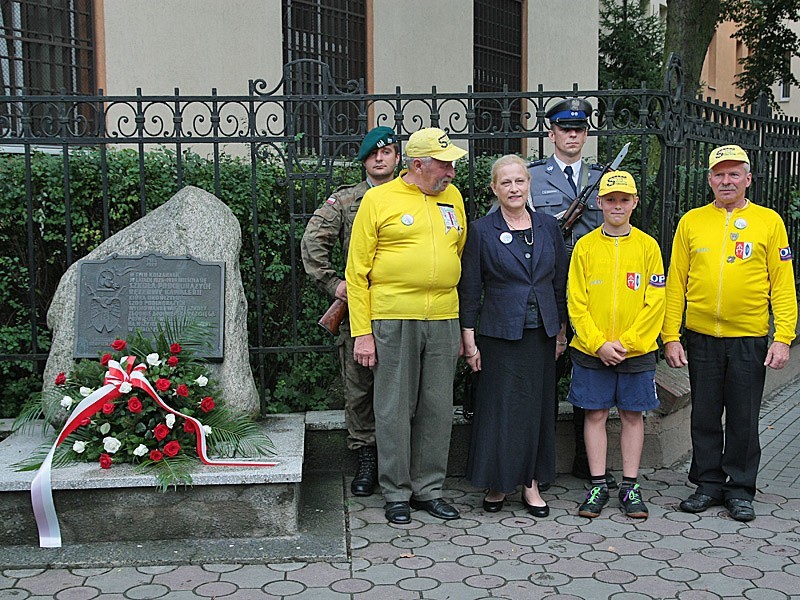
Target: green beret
376,138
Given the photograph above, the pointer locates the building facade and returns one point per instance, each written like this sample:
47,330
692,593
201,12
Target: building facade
119,46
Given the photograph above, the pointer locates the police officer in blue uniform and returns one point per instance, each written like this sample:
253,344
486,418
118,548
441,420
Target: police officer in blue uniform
557,180
555,183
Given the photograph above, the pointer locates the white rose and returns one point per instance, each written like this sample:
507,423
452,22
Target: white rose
105,428
85,391
125,387
66,402
153,359
202,381
79,447
140,450
111,445
170,420
207,429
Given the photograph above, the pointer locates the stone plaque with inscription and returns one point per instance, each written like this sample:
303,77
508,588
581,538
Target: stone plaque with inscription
120,294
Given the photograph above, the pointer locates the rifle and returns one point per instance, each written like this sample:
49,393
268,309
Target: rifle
570,216
333,317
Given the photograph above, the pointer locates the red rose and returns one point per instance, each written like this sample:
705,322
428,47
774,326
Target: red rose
161,431
85,421
108,408
155,455
175,348
105,461
118,345
105,358
172,361
182,390
188,427
172,448
162,385
134,404
61,379
207,404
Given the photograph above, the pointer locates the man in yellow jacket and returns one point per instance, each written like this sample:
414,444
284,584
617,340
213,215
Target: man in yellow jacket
615,297
731,261
402,271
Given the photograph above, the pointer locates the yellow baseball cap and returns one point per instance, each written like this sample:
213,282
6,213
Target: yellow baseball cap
435,143
731,152
617,181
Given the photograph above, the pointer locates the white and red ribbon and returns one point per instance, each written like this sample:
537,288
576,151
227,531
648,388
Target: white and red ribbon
41,490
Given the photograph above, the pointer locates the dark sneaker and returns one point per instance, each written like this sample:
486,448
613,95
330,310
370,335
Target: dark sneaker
630,498
596,499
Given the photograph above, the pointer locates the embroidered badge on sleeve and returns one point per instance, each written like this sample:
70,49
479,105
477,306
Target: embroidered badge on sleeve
658,280
785,253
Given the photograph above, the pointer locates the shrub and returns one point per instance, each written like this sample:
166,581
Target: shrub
271,231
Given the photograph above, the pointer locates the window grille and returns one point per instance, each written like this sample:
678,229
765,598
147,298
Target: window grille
334,32
46,46
786,86
497,61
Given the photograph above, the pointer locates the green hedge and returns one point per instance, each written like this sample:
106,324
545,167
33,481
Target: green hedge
293,381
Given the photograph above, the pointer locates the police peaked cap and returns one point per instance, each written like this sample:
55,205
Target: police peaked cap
376,138
572,113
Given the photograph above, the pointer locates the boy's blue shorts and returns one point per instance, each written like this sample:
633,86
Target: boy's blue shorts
600,389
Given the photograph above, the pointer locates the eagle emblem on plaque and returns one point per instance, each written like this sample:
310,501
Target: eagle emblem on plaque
105,306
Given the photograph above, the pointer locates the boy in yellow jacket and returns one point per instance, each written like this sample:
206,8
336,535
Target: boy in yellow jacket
615,297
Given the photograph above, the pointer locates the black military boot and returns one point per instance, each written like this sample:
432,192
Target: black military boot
367,474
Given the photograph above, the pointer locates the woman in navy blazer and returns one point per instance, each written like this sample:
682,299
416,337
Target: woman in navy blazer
513,291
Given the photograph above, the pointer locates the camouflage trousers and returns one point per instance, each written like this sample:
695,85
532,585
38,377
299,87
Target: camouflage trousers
359,416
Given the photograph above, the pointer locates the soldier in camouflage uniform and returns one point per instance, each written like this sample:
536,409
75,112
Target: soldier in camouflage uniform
380,154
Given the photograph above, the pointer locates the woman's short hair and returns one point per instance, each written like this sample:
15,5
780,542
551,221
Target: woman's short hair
509,159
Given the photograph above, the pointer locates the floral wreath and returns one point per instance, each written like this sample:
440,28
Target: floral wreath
115,415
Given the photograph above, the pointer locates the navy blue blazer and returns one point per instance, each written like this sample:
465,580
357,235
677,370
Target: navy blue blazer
496,278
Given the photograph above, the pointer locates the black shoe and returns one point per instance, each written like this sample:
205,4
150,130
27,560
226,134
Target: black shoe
740,509
367,475
698,502
543,487
539,512
493,506
398,513
436,508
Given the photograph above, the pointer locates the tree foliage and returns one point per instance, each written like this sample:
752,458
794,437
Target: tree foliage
690,27
763,28
631,45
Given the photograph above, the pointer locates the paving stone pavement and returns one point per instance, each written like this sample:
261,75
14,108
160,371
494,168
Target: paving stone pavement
509,554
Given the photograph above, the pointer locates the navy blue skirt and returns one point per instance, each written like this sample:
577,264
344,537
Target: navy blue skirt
513,431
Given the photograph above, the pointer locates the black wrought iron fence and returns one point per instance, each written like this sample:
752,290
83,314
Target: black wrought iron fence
118,157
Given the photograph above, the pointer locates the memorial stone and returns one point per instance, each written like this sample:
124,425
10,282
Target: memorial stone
192,223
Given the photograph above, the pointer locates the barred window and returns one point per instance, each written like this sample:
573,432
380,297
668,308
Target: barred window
497,61
333,32
46,46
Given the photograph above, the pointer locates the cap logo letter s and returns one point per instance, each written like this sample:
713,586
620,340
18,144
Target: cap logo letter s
444,141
